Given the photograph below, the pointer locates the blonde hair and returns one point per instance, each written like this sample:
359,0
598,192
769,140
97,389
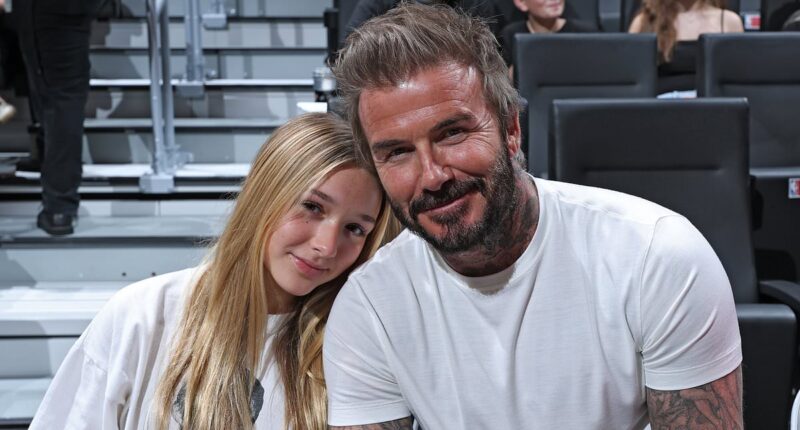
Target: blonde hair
219,343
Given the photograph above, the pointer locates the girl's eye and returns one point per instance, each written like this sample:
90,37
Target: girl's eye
356,230
312,207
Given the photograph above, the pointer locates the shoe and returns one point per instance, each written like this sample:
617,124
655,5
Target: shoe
57,224
29,164
7,111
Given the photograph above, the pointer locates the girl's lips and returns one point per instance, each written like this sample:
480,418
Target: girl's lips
306,267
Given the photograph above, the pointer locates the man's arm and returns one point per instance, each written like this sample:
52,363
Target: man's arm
401,424
716,405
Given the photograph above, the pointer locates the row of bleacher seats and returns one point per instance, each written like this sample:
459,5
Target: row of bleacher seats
698,169
760,67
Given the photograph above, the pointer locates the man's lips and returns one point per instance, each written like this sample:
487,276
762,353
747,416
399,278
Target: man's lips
447,206
306,267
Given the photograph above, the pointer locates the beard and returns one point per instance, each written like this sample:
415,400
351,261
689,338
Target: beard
501,195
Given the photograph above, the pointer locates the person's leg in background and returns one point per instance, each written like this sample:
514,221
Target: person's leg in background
7,111
57,50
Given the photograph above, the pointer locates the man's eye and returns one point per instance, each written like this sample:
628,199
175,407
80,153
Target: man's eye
312,207
453,132
396,152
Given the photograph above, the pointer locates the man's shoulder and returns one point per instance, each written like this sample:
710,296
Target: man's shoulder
405,250
600,202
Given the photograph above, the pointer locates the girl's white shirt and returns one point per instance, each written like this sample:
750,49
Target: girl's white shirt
109,378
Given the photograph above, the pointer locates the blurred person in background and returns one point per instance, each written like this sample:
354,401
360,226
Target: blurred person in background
54,38
677,25
7,111
543,16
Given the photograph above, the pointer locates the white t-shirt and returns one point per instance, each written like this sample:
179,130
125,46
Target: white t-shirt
109,377
613,294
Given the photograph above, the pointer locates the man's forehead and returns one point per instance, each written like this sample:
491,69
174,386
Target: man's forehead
429,89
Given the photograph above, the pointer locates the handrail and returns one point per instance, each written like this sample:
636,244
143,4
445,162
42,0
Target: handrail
166,155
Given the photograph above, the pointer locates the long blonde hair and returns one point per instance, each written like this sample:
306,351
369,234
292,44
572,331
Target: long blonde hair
218,345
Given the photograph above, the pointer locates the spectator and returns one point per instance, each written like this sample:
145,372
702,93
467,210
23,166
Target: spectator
543,16
678,24
7,111
54,37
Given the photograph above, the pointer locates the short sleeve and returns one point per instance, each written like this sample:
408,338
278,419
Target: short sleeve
361,386
690,334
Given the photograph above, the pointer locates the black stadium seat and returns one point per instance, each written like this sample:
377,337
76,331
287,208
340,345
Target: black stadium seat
557,66
691,156
765,68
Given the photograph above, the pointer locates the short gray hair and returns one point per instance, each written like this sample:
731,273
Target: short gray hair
410,38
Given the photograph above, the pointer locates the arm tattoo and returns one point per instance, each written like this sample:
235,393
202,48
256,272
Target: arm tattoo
401,424
716,405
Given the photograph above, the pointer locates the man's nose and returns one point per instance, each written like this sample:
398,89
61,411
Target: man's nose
433,172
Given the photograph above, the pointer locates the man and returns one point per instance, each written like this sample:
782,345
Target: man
511,302
54,37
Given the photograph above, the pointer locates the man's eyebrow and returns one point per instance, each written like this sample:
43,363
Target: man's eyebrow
384,145
452,120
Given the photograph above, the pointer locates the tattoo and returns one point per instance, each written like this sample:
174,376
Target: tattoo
401,424
716,405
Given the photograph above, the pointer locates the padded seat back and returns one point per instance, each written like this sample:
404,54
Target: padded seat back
559,66
765,68
687,155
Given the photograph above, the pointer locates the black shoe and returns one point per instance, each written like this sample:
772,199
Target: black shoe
29,164
56,224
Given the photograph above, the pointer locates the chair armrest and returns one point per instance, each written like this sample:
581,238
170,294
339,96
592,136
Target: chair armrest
786,292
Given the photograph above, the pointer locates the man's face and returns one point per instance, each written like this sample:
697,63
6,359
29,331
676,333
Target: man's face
441,157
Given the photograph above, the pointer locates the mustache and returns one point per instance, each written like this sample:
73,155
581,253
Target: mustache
449,192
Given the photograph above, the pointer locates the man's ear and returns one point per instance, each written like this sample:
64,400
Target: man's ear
513,133
521,5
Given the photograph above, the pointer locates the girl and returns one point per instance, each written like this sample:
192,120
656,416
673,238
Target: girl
677,25
235,343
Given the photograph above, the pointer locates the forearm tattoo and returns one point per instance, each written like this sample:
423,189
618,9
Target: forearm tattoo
401,424
716,405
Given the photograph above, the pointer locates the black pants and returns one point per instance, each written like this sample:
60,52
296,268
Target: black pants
54,38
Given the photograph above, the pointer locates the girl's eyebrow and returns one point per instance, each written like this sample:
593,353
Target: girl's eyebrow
332,201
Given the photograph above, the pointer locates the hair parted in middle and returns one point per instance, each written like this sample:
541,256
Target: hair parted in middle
410,38
659,17
218,346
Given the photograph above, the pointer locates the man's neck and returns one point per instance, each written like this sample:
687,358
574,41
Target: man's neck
498,253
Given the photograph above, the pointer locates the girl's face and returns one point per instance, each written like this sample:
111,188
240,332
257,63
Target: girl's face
323,234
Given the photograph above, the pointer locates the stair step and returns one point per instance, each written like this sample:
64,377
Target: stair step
283,63
209,83
240,34
19,399
47,309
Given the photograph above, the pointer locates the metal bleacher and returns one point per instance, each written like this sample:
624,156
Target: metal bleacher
257,68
